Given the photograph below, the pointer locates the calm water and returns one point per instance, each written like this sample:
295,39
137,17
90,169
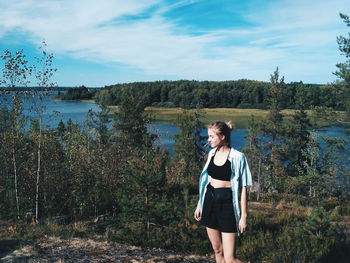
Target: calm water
56,110
76,111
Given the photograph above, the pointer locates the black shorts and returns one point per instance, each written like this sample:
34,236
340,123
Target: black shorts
217,212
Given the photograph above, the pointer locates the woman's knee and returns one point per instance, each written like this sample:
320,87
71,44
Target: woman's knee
217,247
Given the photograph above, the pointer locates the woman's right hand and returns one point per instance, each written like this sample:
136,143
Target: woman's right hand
197,213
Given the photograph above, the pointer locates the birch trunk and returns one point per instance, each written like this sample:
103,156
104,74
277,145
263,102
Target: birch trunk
15,173
259,180
38,175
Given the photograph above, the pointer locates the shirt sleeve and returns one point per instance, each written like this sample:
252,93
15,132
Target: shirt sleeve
245,175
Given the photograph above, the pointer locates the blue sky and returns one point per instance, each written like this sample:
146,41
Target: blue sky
97,43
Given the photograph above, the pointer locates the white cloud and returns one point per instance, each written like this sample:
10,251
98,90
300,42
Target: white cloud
295,35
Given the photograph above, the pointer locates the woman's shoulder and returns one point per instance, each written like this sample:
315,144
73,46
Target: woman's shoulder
234,154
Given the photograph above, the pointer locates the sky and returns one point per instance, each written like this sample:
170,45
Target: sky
104,42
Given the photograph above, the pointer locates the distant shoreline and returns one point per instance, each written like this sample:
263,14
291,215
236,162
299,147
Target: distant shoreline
240,117
88,101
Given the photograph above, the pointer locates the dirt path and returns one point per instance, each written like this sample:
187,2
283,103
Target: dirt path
54,249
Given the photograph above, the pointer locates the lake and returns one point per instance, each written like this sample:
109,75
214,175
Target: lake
57,110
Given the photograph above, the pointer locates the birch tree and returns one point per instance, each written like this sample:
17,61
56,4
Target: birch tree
15,77
44,71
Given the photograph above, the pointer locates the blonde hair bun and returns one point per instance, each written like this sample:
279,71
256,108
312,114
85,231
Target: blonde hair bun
230,125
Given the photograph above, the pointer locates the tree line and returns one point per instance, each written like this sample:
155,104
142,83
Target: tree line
231,94
217,94
79,93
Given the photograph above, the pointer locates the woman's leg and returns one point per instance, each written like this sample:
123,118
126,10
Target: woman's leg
228,244
215,239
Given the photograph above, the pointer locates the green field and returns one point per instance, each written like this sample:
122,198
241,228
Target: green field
239,117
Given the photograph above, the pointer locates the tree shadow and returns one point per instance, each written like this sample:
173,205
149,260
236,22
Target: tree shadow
6,246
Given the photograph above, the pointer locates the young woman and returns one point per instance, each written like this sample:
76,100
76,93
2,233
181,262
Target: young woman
222,204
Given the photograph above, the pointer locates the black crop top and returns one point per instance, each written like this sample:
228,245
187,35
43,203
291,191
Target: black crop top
222,172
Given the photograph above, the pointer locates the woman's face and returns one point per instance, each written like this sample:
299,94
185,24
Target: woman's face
214,139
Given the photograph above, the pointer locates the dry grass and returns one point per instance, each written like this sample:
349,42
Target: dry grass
240,117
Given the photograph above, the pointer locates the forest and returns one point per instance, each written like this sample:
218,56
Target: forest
72,181
224,94
78,93
248,94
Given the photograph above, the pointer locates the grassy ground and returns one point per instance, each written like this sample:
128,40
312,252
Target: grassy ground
239,117
269,217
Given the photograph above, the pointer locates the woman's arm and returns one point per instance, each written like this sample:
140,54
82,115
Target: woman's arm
244,210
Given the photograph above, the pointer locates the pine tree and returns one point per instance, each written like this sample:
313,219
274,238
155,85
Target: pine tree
298,138
131,120
343,71
315,234
99,122
273,130
186,164
141,192
61,128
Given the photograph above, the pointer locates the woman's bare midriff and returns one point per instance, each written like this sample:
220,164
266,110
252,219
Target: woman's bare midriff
219,183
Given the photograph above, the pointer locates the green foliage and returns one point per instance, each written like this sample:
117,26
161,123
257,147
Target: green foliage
97,123
221,94
298,143
131,119
274,131
61,128
145,207
315,233
343,71
172,231
273,125
143,183
292,237
16,70
80,93
188,149
186,165
15,73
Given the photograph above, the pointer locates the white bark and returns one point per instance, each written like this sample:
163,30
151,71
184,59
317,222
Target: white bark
38,175
15,173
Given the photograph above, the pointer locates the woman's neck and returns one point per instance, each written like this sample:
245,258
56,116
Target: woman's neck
223,149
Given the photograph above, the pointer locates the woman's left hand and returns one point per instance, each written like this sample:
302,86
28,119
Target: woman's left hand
242,224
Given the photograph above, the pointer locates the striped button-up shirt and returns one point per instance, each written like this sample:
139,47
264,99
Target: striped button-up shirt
240,176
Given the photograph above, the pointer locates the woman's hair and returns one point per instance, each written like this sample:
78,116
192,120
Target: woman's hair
222,128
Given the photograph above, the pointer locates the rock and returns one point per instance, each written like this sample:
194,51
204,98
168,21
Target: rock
280,206
100,218
30,217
